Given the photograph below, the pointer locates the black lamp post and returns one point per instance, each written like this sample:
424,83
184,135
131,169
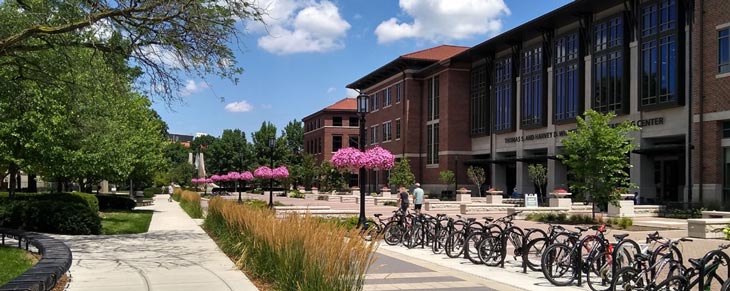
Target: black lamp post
362,110
272,144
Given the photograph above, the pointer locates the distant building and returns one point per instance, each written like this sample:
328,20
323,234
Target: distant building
419,109
334,127
181,138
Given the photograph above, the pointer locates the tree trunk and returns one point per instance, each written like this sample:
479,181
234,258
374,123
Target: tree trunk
12,171
32,183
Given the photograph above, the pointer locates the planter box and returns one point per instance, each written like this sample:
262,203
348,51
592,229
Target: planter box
560,202
526,211
475,208
649,210
707,227
382,200
494,198
625,209
385,193
355,191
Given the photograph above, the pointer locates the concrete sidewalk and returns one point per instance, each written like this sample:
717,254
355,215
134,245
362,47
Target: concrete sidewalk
176,254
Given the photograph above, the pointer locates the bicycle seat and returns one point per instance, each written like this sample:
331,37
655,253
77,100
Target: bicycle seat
378,214
471,219
620,236
488,218
581,228
440,214
695,262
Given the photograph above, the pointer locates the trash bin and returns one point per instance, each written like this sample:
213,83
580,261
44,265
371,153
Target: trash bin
139,196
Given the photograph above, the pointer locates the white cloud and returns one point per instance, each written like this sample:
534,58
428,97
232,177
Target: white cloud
241,106
331,90
162,55
192,87
302,26
442,20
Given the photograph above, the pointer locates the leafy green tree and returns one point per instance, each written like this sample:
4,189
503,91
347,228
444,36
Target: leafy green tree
175,153
164,38
202,143
538,176
447,177
231,152
477,176
401,174
330,178
260,140
182,173
598,155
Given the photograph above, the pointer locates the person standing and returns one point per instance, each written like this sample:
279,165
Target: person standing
417,198
402,198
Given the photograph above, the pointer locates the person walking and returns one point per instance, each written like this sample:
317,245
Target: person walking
403,199
417,198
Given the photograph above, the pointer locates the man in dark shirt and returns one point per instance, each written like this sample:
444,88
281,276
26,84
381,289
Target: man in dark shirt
403,198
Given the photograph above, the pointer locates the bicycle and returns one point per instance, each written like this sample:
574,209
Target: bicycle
492,249
535,248
702,271
642,274
562,259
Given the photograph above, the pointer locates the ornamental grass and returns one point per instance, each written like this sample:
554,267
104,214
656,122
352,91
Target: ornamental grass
291,253
190,202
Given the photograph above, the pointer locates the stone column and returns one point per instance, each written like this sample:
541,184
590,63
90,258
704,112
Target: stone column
499,176
104,187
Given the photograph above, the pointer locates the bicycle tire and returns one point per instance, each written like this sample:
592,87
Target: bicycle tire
600,272
393,233
559,264
673,283
455,244
628,278
533,253
490,251
439,242
725,286
471,247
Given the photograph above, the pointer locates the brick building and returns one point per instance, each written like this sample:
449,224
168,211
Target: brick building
418,110
334,127
711,102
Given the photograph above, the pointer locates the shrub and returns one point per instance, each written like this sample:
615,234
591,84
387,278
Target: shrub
322,197
553,217
261,204
115,202
176,192
88,200
621,222
52,216
294,253
151,191
390,203
296,194
190,202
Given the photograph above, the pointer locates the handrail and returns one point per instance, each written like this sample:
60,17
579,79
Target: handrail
55,260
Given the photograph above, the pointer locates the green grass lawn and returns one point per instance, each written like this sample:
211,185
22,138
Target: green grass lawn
125,222
14,262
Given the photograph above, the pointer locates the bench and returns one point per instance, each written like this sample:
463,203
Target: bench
55,260
707,227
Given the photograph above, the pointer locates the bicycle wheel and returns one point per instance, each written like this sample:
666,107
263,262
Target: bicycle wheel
369,230
600,272
559,264
725,286
455,244
393,233
439,241
413,235
490,251
674,283
628,279
533,253
471,247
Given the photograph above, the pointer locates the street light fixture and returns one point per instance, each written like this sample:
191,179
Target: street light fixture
272,144
362,110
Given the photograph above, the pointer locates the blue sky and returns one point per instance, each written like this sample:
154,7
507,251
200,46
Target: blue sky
311,49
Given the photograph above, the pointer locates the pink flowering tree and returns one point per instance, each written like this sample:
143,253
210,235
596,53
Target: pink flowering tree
349,158
377,158
263,172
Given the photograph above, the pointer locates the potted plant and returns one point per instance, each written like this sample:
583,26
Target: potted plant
494,191
560,193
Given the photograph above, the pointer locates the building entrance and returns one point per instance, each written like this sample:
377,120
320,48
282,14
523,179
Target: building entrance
511,170
669,178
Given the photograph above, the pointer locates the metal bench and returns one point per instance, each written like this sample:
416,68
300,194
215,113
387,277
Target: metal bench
55,260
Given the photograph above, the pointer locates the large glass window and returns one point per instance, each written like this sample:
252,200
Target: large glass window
609,81
387,131
726,129
433,98
354,121
337,121
398,93
532,93
397,129
373,134
432,143
723,51
386,97
659,53
504,106
479,101
566,71
353,141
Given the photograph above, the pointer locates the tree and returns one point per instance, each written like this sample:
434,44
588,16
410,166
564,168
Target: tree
598,155
330,178
231,152
175,153
182,173
447,177
260,140
477,176
202,142
294,136
162,37
538,175
401,174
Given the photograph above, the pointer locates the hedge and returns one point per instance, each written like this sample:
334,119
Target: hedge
88,200
61,216
115,202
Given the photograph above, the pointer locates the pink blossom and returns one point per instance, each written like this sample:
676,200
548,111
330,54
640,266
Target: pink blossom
263,172
208,180
280,172
194,181
246,176
348,158
378,158
233,176
215,178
